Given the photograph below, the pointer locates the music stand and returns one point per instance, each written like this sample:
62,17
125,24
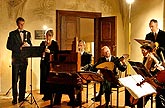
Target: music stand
140,69
106,68
142,42
29,52
90,76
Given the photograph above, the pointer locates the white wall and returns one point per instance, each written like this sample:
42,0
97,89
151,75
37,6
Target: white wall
142,13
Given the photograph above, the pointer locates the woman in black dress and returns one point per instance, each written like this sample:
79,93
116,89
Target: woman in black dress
51,47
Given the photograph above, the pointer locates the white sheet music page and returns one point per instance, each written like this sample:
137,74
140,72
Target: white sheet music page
130,82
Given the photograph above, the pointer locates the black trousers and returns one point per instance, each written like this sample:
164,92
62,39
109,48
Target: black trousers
63,89
160,99
19,71
105,87
44,72
143,101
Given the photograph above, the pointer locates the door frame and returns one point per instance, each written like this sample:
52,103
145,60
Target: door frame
79,14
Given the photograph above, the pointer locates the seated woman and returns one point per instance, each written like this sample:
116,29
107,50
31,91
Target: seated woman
153,64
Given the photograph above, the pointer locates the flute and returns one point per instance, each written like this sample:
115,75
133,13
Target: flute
46,46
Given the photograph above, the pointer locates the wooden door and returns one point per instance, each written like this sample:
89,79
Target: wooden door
105,34
70,28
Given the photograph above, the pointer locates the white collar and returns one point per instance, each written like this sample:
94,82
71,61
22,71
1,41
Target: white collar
82,52
156,31
109,58
20,30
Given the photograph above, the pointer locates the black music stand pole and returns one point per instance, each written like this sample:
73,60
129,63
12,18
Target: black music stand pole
91,76
32,51
110,77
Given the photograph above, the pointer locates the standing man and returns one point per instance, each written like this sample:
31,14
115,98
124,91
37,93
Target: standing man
18,39
85,57
156,35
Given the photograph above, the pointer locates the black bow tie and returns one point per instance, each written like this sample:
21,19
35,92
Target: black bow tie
21,31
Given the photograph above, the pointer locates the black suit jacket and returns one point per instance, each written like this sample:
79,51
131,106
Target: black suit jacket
14,43
160,39
85,59
54,49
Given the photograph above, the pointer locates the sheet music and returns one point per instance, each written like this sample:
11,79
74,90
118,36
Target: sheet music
130,82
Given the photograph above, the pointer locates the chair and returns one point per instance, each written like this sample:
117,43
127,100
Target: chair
86,86
90,77
117,88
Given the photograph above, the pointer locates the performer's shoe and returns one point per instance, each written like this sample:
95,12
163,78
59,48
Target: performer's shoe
57,103
71,103
108,106
77,102
21,100
14,102
46,98
97,98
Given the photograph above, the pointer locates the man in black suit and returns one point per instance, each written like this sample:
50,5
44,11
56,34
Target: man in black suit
85,65
106,86
85,57
156,35
18,39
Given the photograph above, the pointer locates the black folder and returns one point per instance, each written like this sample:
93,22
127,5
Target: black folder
32,51
140,69
142,42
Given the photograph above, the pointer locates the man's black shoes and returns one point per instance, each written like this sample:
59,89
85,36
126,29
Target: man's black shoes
14,102
21,100
57,103
74,104
108,106
46,98
71,103
96,99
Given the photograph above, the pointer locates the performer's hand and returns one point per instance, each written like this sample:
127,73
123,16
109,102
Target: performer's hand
98,71
163,63
21,48
123,62
47,50
159,67
25,44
